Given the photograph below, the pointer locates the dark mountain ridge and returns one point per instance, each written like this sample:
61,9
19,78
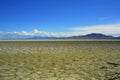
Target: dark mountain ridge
93,36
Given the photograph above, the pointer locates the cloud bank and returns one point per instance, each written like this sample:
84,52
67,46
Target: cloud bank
109,29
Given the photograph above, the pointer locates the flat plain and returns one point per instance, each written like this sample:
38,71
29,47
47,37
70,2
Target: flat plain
60,60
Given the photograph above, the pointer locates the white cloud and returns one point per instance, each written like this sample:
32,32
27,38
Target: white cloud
23,33
36,32
111,29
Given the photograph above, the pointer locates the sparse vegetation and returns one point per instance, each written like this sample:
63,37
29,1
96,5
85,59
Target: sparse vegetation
59,60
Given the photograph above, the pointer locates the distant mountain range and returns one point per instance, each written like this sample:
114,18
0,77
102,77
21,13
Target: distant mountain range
93,36
14,36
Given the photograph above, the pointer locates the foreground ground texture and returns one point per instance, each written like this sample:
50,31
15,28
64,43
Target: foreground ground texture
59,60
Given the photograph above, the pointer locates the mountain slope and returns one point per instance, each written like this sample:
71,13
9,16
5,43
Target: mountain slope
17,36
93,36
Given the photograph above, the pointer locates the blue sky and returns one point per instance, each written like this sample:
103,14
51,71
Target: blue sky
59,15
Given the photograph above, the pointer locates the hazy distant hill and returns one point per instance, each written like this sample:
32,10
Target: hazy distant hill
39,37
93,36
16,36
88,36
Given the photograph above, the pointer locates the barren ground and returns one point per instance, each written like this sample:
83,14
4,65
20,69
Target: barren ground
59,60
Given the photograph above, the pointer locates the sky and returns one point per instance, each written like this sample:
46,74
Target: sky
72,17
